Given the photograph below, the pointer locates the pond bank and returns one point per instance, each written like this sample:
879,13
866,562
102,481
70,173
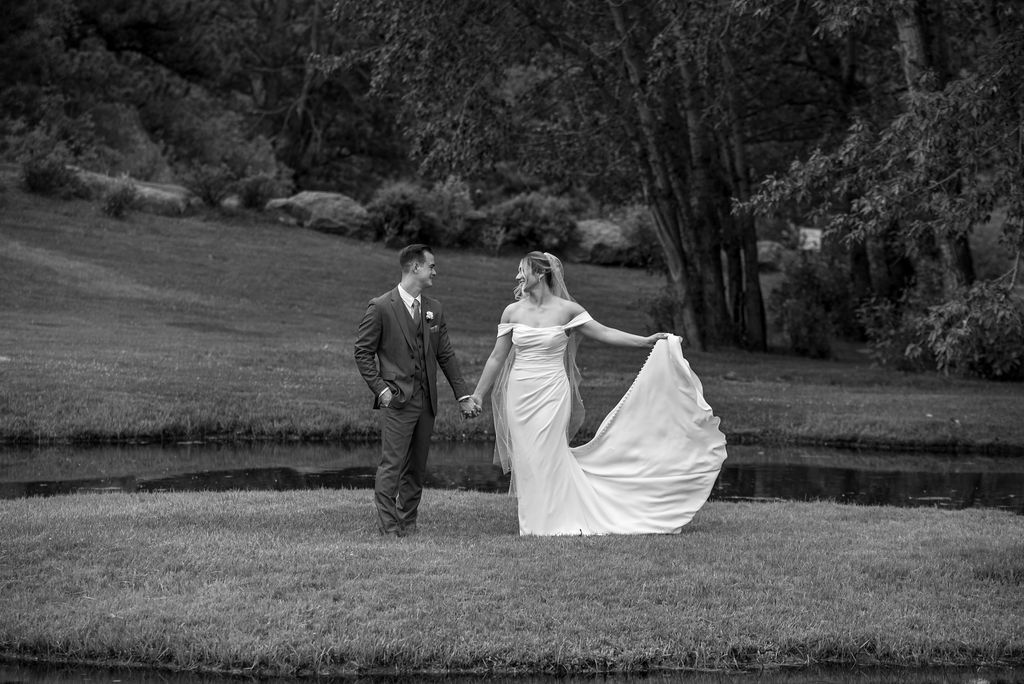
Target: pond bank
369,434
33,672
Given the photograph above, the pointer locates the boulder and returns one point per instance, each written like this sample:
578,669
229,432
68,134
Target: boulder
327,212
153,198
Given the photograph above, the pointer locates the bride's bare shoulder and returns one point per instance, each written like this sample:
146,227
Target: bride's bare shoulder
571,309
508,315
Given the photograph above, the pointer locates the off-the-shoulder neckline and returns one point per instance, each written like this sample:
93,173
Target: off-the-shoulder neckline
545,327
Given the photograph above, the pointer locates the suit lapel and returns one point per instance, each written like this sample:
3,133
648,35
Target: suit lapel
403,317
425,325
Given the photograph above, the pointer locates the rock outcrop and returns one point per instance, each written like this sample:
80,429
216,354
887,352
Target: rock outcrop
165,199
327,212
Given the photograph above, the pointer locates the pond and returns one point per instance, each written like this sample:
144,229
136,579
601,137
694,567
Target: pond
55,674
751,473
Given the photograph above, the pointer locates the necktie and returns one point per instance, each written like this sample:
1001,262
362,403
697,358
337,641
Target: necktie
416,311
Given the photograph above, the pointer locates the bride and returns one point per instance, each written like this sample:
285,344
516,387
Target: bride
653,461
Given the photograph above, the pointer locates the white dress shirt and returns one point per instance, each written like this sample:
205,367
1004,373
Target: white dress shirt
408,299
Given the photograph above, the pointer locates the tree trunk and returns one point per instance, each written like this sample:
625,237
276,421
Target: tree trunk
920,54
707,195
751,317
666,197
666,220
860,271
913,44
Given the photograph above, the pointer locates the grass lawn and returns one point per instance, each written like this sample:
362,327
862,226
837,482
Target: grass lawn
155,328
299,583
236,328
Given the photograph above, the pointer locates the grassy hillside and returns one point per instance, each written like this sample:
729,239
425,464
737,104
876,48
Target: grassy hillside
237,327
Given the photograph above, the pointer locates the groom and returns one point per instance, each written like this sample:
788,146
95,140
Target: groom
401,341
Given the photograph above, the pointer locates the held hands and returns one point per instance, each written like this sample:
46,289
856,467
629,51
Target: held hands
471,406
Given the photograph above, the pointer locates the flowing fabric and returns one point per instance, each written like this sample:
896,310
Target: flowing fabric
650,466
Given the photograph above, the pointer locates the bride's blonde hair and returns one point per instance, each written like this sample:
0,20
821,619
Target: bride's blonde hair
549,267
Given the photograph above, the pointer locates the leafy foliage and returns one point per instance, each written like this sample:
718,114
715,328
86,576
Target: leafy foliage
47,163
891,329
644,250
931,158
402,213
211,183
119,200
241,72
532,221
978,333
809,305
256,190
49,173
452,200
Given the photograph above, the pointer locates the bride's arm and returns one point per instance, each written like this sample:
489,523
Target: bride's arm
492,367
494,363
602,333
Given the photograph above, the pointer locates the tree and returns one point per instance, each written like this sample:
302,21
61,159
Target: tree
617,97
920,169
245,66
939,161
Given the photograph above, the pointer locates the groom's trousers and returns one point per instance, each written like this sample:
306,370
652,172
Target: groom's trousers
405,444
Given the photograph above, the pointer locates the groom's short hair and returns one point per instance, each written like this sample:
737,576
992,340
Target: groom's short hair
413,254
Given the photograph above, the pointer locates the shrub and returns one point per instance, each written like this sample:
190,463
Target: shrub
810,305
990,251
122,198
211,183
401,213
50,173
890,325
49,148
977,332
661,311
452,203
532,221
644,250
211,151
891,334
255,191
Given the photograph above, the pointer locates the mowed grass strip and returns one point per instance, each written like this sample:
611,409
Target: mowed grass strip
234,327
299,583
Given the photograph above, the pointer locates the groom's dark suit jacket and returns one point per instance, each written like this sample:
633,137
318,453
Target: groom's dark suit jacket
386,348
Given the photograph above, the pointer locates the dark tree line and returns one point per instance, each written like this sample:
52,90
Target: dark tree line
198,71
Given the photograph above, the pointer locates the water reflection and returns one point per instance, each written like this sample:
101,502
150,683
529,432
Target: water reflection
48,674
750,473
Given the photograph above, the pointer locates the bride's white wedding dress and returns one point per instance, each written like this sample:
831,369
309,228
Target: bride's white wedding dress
650,466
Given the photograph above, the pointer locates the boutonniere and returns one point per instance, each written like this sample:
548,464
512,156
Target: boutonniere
430,316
